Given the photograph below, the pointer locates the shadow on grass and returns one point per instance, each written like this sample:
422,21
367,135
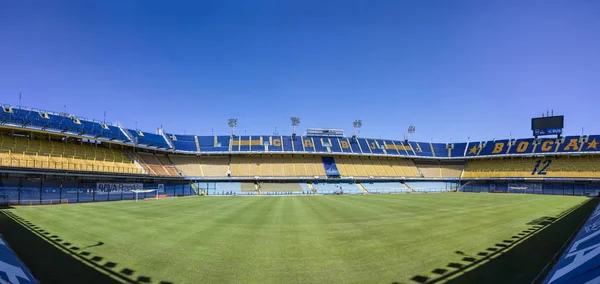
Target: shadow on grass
54,260
518,259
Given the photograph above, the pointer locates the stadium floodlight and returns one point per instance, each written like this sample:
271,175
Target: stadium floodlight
411,130
295,122
356,125
232,122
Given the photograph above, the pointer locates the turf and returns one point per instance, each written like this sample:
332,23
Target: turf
289,239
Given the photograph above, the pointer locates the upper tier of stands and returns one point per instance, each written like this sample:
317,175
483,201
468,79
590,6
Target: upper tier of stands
149,139
62,123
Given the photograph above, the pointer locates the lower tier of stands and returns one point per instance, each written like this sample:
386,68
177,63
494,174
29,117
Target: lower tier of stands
556,188
339,188
35,191
60,155
385,187
564,166
281,188
293,166
427,186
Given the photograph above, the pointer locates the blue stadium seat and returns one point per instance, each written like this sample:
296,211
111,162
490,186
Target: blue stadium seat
459,150
287,143
330,188
423,186
384,187
440,150
149,139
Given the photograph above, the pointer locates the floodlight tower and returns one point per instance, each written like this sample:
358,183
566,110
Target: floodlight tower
232,122
295,122
411,130
356,125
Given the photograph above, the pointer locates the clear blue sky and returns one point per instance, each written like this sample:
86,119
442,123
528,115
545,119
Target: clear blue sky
454,69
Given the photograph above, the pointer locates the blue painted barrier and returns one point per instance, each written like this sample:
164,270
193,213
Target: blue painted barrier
580,263
12,270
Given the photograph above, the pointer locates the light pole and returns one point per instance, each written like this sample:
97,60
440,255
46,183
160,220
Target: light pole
411,130
295,122
356,124
232,122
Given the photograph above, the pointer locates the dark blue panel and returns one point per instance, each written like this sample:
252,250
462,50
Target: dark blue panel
522,146
494,147
344,142
473,148
206,141
546,145
593,144
354,146
364,145
307,141
459,150
421,148
259,147
440,150
287,143
374,145
224,141
297,144
185,145
275,140
318,145
571,144
389,149
150,139
187,138
335,145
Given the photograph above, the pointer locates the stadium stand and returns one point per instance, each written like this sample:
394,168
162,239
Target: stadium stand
18,151
225,188
149,139
156,164
187,165
376,167
452,171
422,186
439,169
563,166
185,143
384,187
432,170
280,187
193,166
337,187
276,166
63,123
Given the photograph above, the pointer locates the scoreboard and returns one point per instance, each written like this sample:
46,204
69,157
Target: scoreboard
549,125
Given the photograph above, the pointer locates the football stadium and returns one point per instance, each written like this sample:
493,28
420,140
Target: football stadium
313,207
385,142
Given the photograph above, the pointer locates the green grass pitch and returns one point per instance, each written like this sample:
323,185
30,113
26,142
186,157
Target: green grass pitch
411,238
